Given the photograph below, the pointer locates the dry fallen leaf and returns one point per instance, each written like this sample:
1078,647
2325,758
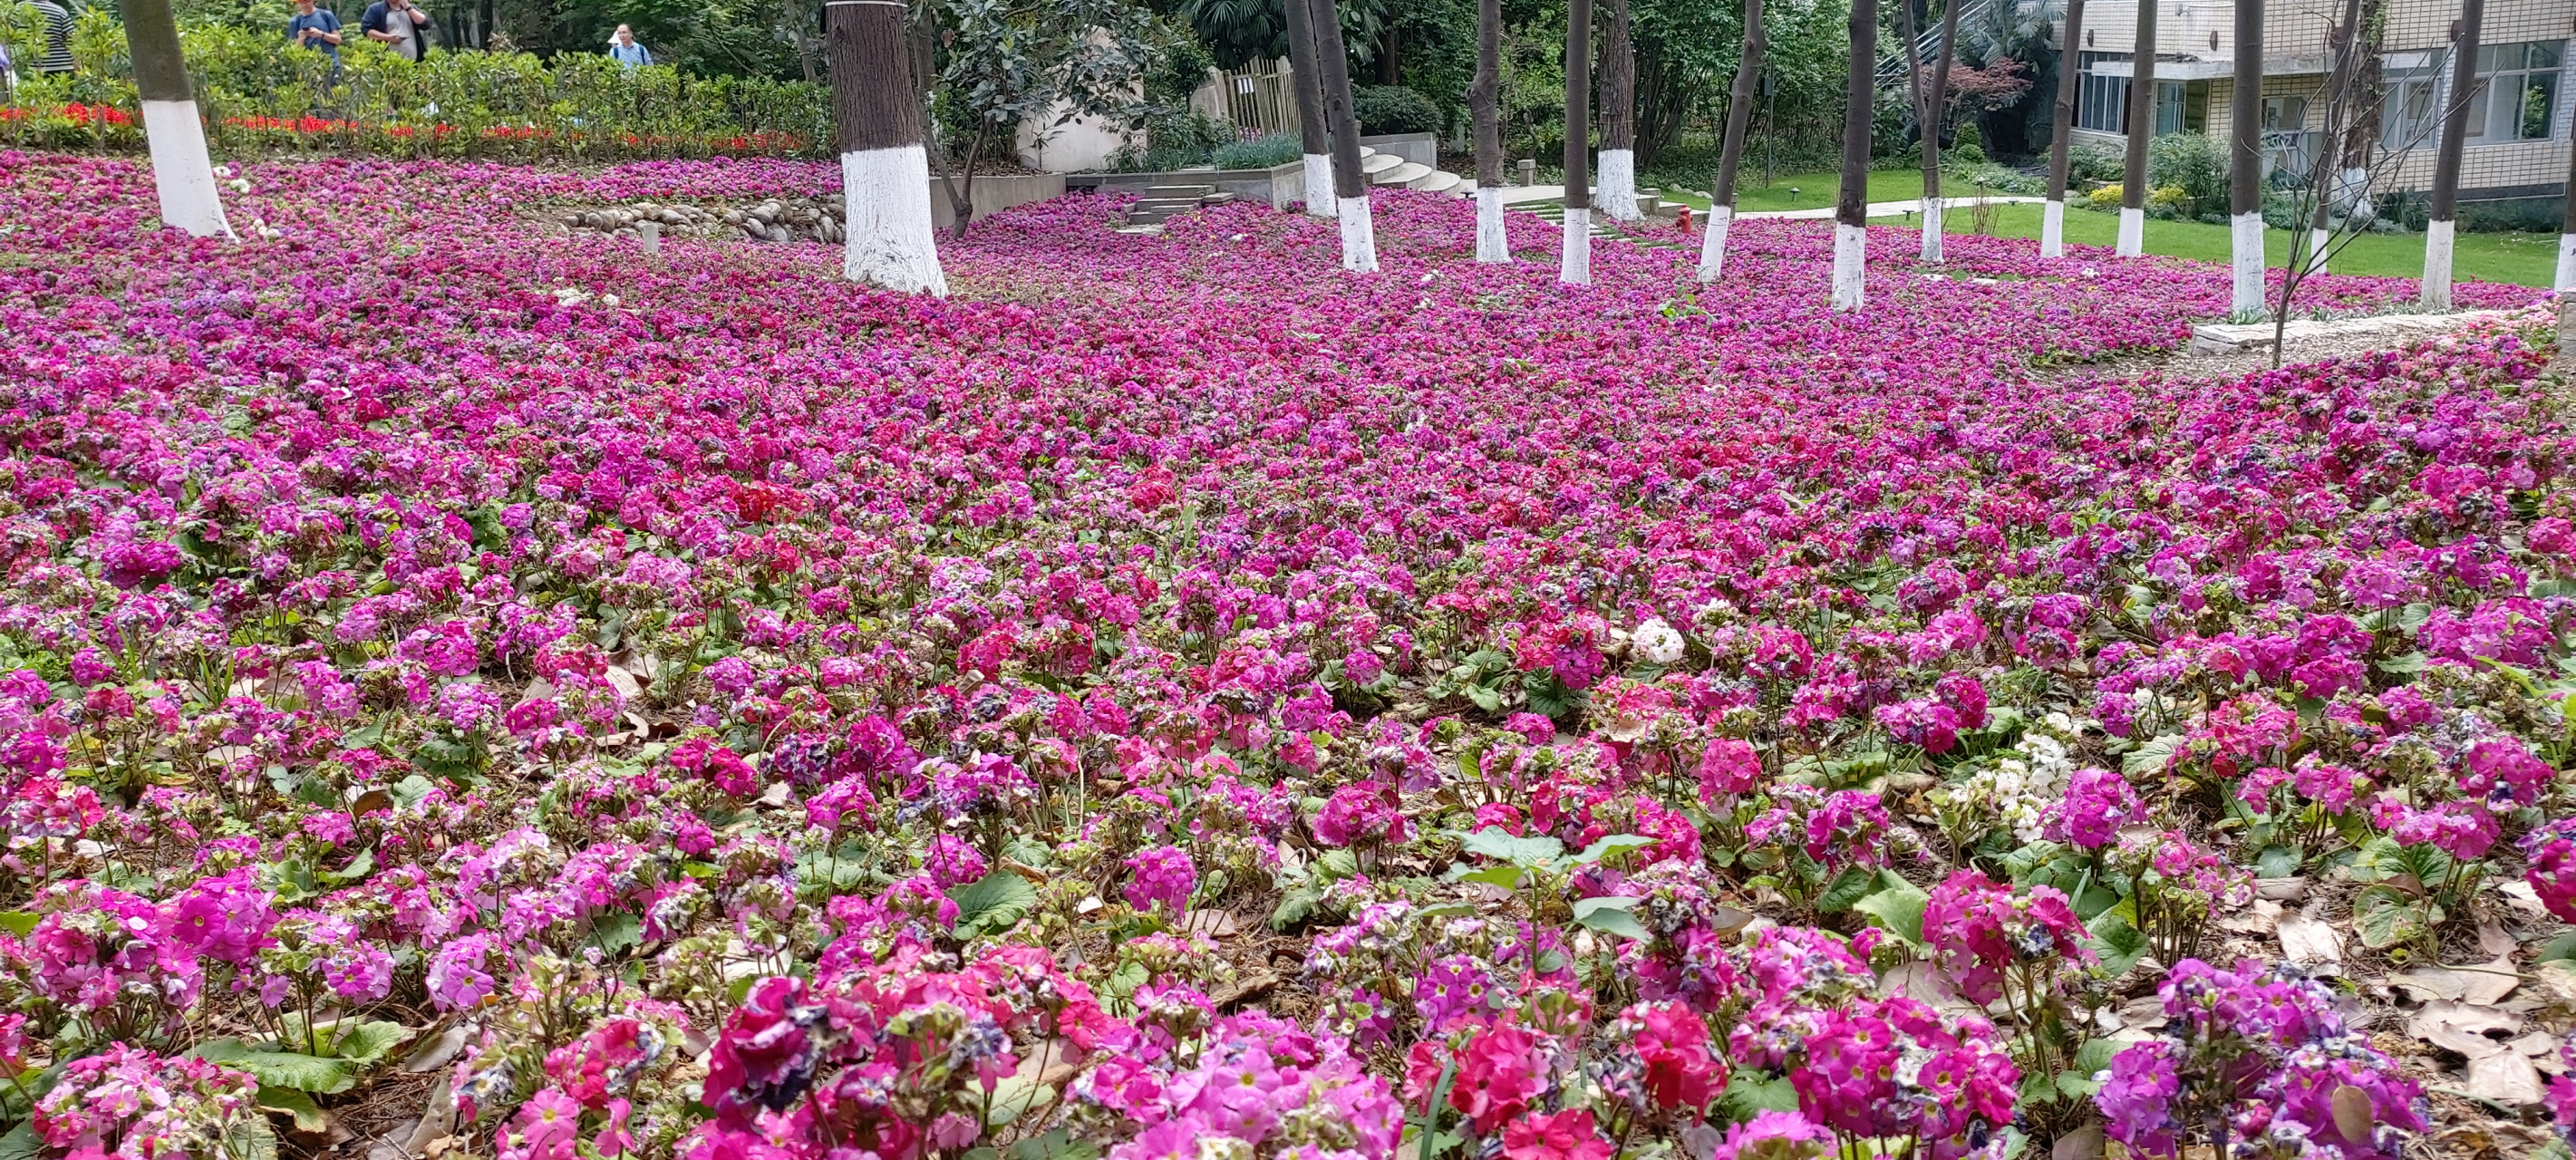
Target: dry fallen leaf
2261,918
2084,1143
1212,923
2432,983
2490,982
2506,1077
2353,1116
2310,942
2462,1028
2520,893
2494,939
437,1050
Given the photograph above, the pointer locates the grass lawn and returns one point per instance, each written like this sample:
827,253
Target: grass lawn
2520,258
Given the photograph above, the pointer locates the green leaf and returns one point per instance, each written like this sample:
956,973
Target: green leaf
1494,842
1748,1095
2404,664
993,904
2386,916
1016,1095
2114,941
20,1143
1611,915
2562,947
1847,888
1898,908
1056,1145
17,922
409,791
2091,1060
368,1041
1337,864
357,869
1296,907
309,1116
1610,845
2277,862
1507,877
1484,698
250,1138
617,932
2152,756
291,1069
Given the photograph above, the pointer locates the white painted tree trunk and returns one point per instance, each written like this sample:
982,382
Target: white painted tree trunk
1615,192
2245,232
886,194
2566,279
1851,259
1932,229
181,171
2133,232
2318,241
2437,265
1575,265
1491,243
1712,245
1359,236
1319,185
2052,229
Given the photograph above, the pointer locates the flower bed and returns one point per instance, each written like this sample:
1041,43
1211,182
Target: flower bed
1172,699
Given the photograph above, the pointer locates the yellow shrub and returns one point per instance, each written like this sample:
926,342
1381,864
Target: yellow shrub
2107,197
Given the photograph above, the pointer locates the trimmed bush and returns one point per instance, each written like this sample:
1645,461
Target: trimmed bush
1393,109
1275,149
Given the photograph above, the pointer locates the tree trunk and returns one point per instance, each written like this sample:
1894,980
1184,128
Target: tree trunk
1350,191
1851,202
2566,277
2245,163
1483,99
885,176
1618,194
2342,66
2142,128
1730,150
2436,291
1307,75
2061,136
181,172
1935,111
1574,266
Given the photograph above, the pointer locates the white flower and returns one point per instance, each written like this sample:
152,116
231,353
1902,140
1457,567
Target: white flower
1657,643
570,296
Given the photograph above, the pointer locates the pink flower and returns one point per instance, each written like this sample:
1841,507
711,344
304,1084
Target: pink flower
1562,1136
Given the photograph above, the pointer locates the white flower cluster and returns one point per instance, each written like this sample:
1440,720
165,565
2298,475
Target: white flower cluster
2028,783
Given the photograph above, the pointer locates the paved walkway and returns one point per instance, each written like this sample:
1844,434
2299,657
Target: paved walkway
1548,201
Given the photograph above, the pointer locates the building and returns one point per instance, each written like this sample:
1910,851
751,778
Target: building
2518,120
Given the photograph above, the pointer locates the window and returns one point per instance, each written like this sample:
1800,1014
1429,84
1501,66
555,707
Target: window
2102,102
2285,114
2169,106
2411,112
2519,94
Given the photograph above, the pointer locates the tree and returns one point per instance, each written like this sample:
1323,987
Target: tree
2052,222
2445,199
181,172
2142,125
1317,139
1012,62
2566,277
1851,201
1730,150
1618,192
885,176
1238,31
1350,191
1574,259
1936,104
2245,163
1484,99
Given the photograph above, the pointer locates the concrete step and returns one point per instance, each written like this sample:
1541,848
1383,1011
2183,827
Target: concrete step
1438,181
1376,163
1219,198
1158,192
1403,175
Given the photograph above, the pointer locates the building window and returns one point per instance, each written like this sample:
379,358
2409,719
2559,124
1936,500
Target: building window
2411,112
2519,93
2285,114
2102,102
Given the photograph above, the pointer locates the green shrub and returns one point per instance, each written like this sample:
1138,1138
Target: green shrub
2093,161
1177,140
2194,162
1275,149
1393,109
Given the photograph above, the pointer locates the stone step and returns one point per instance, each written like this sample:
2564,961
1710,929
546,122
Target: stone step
1438,181
1401,175
1178,191
1219,198
1377,163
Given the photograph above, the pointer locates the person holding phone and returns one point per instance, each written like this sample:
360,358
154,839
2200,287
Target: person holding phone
316,29
399,24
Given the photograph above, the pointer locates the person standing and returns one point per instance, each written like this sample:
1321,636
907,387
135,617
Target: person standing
626,50
58,38
397,23
316,29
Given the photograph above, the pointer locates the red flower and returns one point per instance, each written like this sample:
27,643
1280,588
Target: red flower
1563,1136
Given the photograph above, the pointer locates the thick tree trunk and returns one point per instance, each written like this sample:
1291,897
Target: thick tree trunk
181,172
1311,128
1618,184
2566,278
2436,290
2142,128
885,176
2061,136
1574,265
1935,111
1730,150
1484,98
1350,191
2245,163
1851,202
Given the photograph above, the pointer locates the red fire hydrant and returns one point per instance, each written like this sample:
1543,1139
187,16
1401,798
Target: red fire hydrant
1682,222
